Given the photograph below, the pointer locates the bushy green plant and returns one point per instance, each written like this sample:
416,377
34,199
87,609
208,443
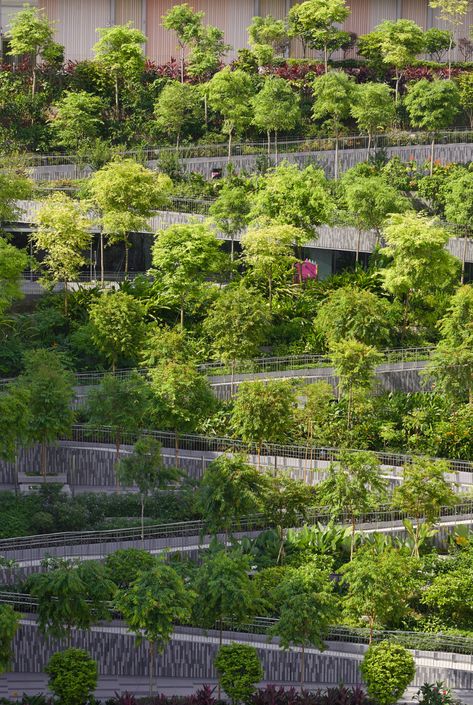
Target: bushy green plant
239,670
72,676
387,670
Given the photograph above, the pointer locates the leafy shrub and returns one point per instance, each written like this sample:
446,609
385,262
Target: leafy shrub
387,669
72,676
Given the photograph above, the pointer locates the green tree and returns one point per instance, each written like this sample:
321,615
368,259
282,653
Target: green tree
182,398
354,363
432,106
286,504
183,258
452,12
293,196
334,94
355,314
63,233
208,50
229,211
449,596
423,492
437,42
152,605
126,194
236,325
187,24
163,344
50,391
9,624
308,607
370,200
354,485
121,404
465,94
13,187
458,199
373,109
263,412
369,579
117,330
267,38
120,51
314,22
15,419
124,566
71,596
77,119
225,591
230,490
451,363
13,262
73,676
239,670
419,265
145,468
318,400
177,109
276,109
30,32
387,670
268,251
230,94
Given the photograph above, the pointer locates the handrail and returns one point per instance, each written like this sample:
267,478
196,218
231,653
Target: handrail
259,364
198,527
210,444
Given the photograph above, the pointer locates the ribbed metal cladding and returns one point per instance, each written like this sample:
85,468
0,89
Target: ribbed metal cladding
76,24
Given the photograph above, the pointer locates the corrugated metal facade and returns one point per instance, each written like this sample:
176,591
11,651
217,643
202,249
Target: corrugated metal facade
77,20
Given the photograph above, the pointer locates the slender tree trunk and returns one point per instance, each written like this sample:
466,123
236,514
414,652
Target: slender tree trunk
220,641
117,104
352,545
102,264
335,170
268,134
182,63
232,377
182,317
151,668
127,249
302,667
270,284
176,447
465,245
65,298
371,623
369,144
416,538
142,519
325,58
281,546
117,460
230,134
276,147
357,253
432,151
258,464
43,459
178,138
450,47
206,110
232,247
396,91
33,77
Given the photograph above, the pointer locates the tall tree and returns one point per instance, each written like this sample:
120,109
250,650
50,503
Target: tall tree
229,212
267,38
50,391
432,106
187,24
117,329
121,404
308,607
453,12
380,586
176,109
13,262
230,94
77,118
276,109
15,419
334,94
208,50
354,485
230,489
419,265
268,251
71,595
458,200
13,187
465,94
451,363
423,492
9,624
373,109
31,33
182,398
263,412
370,200
315,23
152,605
292,196
183,258
63,234
126,194
145,468
236,325
120,51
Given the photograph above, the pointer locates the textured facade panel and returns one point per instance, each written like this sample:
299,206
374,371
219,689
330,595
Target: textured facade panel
380,10
129,11
275,8
77,22
415,10
8,10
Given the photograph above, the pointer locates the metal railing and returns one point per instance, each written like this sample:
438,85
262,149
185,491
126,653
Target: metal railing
81,433
293,145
